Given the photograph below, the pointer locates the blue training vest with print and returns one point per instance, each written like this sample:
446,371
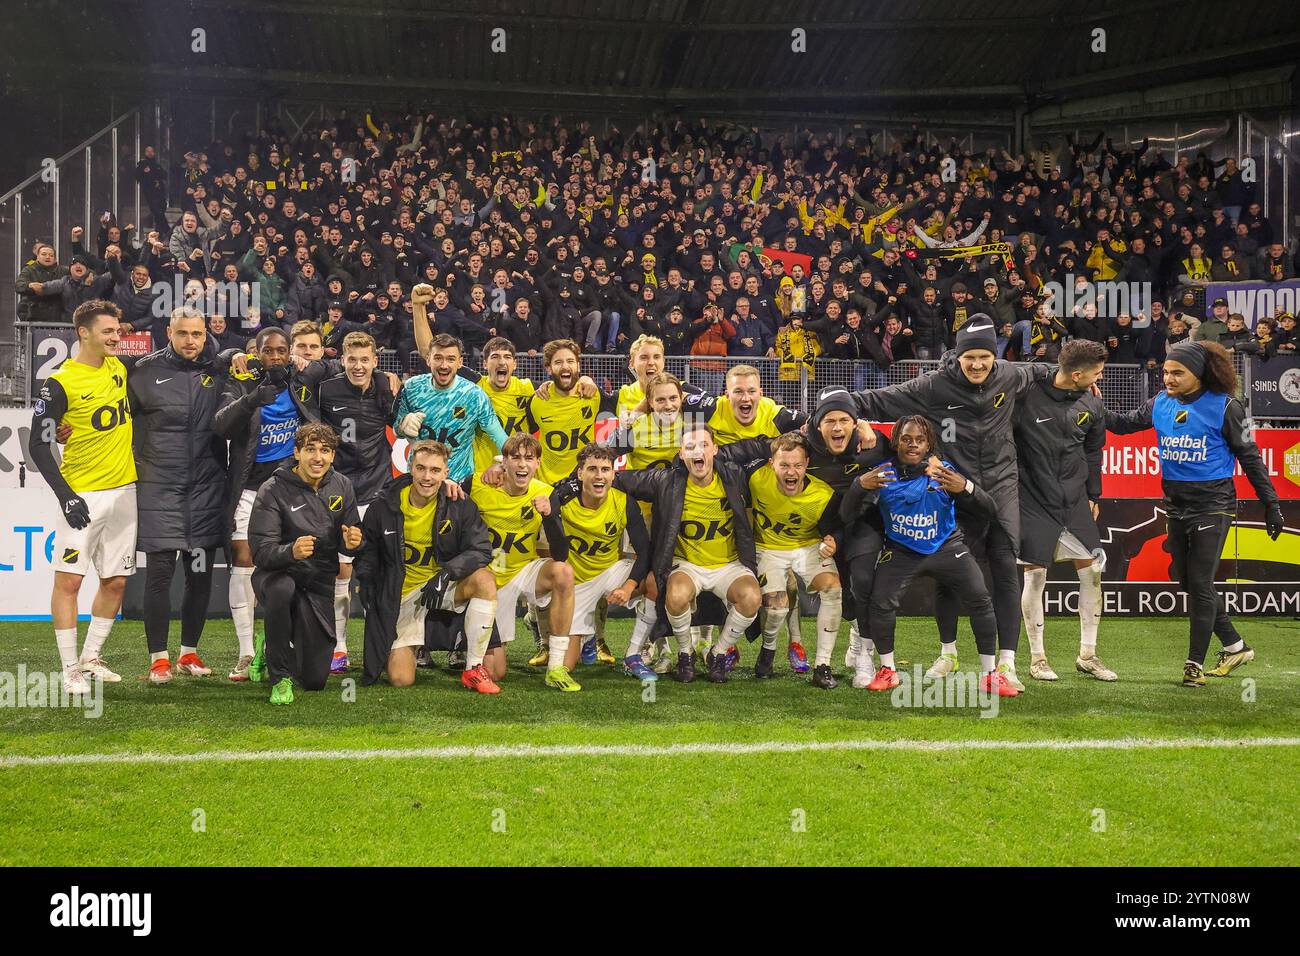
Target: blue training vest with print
1190,438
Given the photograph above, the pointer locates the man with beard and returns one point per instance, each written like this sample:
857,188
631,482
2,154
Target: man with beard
444,406
560,414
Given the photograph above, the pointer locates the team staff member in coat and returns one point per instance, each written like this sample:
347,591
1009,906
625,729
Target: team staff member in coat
181,462
260,412
424,563
358,405
918,495
1060,430
971,399
303,517
1203,433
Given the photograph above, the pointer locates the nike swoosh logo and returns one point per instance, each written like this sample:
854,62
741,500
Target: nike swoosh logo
337,408
960,553
979,328
951,407
161,380
1039,421
390,532
1205,528
296,507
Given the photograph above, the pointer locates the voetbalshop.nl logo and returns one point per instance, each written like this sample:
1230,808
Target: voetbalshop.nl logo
78,909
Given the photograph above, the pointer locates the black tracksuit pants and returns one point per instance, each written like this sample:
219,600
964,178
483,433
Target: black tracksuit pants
856,562
1196,545
159,571
953,568
291,619
992,546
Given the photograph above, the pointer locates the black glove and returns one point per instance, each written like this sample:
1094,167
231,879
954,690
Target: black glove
434,590
1274,522
76,511
278,375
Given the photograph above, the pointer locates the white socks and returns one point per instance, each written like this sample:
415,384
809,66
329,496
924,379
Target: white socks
241,608
1090,602
187,650
480,613
987,663
681,625
646,616
1008,658
342,605
96,634
556,648
949,648
828,623
733,629
66,639
887,660
1031,607
773,618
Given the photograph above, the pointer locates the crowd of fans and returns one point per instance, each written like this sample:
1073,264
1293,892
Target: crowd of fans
545,231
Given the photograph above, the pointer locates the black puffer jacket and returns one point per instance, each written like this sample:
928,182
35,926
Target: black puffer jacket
380,568
181,461
978,417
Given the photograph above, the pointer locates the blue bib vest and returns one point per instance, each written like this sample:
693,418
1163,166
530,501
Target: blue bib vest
917,513
1190,438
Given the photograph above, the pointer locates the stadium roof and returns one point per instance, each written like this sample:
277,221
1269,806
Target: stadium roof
701,55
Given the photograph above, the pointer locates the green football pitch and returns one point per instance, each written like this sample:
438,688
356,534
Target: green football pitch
206,772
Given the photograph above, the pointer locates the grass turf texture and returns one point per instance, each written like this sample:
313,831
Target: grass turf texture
1161,806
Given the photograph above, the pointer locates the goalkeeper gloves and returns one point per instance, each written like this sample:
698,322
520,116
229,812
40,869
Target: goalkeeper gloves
434,590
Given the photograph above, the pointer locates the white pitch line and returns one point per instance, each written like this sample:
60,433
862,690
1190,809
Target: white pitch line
504,751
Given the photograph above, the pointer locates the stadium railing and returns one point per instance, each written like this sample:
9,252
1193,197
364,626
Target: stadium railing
1123,387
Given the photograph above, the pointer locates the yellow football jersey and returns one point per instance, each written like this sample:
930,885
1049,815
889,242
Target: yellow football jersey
564,424
706,536
786,522
595,536
514,524
510,404
98,453
417,533
629,397
727,430
653,445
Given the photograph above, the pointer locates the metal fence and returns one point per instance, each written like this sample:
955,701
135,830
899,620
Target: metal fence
41,348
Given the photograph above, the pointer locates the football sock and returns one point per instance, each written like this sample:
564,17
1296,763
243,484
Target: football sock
828,623
681,625
185,649
1234,646
733,630
241,608
1031,608
159,656
556,648
1008,658
949,649
773,618
480,613
1090,602
342,604
96,634
855,642
66,639
987,664
887,660
646,616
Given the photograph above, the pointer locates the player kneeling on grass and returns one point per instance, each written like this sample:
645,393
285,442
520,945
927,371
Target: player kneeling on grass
595,515
918,494
793,515
515,506
303,517
426,552
703,541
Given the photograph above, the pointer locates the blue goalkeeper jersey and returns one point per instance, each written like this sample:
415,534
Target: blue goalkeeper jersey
452,415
